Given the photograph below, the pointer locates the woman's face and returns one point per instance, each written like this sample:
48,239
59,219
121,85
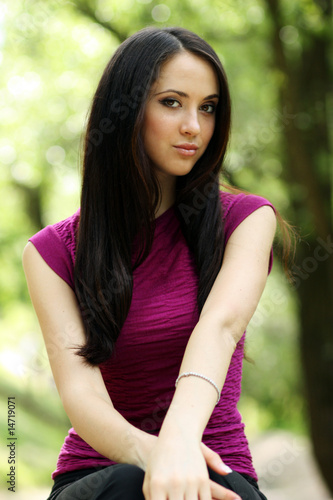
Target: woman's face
180,114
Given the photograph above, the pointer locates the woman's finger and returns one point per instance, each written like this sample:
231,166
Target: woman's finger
145,490
214,461
205,492
218,492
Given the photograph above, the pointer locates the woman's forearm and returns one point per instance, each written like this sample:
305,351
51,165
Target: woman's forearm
105,429
208,352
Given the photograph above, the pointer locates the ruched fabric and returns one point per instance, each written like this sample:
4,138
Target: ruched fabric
141,373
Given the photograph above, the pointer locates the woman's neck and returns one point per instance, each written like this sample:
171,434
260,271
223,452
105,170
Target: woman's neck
168,193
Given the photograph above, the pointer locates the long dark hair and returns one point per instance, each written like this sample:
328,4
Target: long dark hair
120,193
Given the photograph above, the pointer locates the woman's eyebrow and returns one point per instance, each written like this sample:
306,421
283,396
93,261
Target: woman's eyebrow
183,94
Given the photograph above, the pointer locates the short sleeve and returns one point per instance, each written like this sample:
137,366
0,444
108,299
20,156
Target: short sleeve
236,207
56,244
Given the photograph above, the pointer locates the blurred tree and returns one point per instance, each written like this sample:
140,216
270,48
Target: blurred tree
301,39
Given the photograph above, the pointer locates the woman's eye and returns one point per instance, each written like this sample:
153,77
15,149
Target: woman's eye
170,103
208,108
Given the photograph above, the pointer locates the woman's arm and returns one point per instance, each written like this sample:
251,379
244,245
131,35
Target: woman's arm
228,309
225,315
80,386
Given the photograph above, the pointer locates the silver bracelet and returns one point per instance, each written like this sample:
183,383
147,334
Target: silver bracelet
194,374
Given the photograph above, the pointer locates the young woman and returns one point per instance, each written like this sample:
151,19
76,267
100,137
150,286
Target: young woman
151,285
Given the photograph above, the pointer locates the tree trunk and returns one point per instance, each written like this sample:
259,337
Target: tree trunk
32,198
304,96
316,342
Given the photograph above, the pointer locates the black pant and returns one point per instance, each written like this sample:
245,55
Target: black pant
124,482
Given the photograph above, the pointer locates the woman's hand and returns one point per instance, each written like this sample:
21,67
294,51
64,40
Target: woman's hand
214,461
177,470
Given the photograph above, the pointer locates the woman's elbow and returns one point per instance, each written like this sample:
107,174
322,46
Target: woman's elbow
230,327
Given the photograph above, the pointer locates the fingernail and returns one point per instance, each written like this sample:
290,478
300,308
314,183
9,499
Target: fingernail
227,469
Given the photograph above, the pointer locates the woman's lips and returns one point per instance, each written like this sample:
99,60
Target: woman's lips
186,149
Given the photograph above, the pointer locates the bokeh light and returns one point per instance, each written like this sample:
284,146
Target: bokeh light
161,13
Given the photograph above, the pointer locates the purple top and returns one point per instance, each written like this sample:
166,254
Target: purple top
140,375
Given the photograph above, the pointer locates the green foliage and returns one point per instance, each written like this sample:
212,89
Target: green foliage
272,395
38,438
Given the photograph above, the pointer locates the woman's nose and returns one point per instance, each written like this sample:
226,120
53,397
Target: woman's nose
190,124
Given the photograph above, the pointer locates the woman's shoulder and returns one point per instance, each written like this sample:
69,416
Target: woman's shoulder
237,205
56,244
241,201
64,231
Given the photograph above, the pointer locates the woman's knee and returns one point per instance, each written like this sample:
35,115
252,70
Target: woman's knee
125,481
237,483
112,483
